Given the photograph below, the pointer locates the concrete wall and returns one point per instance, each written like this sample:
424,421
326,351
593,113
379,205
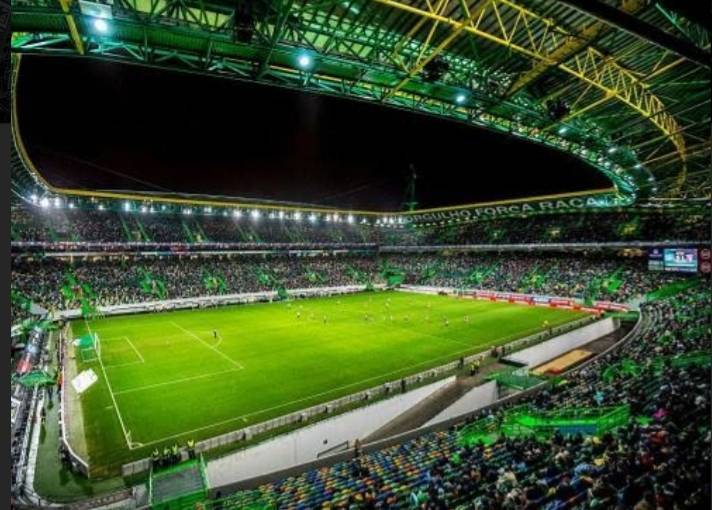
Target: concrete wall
312,442
543,352
477,398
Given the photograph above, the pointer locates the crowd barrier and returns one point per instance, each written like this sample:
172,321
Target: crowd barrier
209,301
525,299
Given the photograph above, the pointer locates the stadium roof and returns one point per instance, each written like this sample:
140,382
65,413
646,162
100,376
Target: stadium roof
624,85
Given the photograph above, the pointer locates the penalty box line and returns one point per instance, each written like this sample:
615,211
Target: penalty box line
237,364
126,433
176,381
141,359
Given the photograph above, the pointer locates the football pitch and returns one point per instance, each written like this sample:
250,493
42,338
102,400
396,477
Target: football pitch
174,376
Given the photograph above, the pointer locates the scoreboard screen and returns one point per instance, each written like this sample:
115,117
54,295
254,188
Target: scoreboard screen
683,260
680,259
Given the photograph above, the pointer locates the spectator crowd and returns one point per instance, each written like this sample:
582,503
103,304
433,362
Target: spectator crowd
659,459
118,280
31,223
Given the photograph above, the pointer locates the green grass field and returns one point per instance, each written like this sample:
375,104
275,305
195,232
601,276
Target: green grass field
166,379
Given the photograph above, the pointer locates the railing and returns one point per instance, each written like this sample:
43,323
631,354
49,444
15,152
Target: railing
79,463
228,299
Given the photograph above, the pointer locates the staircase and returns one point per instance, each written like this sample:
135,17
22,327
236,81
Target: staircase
428,408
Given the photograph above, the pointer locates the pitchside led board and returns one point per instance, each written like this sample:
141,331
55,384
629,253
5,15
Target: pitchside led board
680,260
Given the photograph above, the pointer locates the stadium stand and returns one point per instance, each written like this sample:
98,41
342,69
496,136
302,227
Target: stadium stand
619,421
659,459
32,223
118,280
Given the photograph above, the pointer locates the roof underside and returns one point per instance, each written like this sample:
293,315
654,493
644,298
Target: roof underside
632,106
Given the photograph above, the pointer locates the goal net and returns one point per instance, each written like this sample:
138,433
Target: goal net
89,347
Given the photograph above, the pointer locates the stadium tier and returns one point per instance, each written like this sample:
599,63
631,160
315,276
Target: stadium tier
223,297
37,224
129,279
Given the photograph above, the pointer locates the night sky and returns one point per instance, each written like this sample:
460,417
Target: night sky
101,125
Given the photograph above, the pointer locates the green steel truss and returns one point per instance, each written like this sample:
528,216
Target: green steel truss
637,112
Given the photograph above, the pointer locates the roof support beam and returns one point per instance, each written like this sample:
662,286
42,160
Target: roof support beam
508,24
570,47
72,24
641,29
456,31
284,9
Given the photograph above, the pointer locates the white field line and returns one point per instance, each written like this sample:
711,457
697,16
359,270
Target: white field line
212,348
309,397
176,381
113,398
129,363
135,349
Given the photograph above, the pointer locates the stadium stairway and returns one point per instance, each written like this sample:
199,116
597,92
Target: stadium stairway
431,406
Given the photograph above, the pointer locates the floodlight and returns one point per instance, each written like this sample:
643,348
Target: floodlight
71,205
638,166
127,206
44,202
281,215
101,25
144,209
255,214
312,218
237,213
460,98
57,202
208,209
612,150
298,215
350,218
563,130
304,61
33,197
101,207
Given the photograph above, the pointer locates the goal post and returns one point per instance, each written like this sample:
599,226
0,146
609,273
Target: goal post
89,347
97,344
